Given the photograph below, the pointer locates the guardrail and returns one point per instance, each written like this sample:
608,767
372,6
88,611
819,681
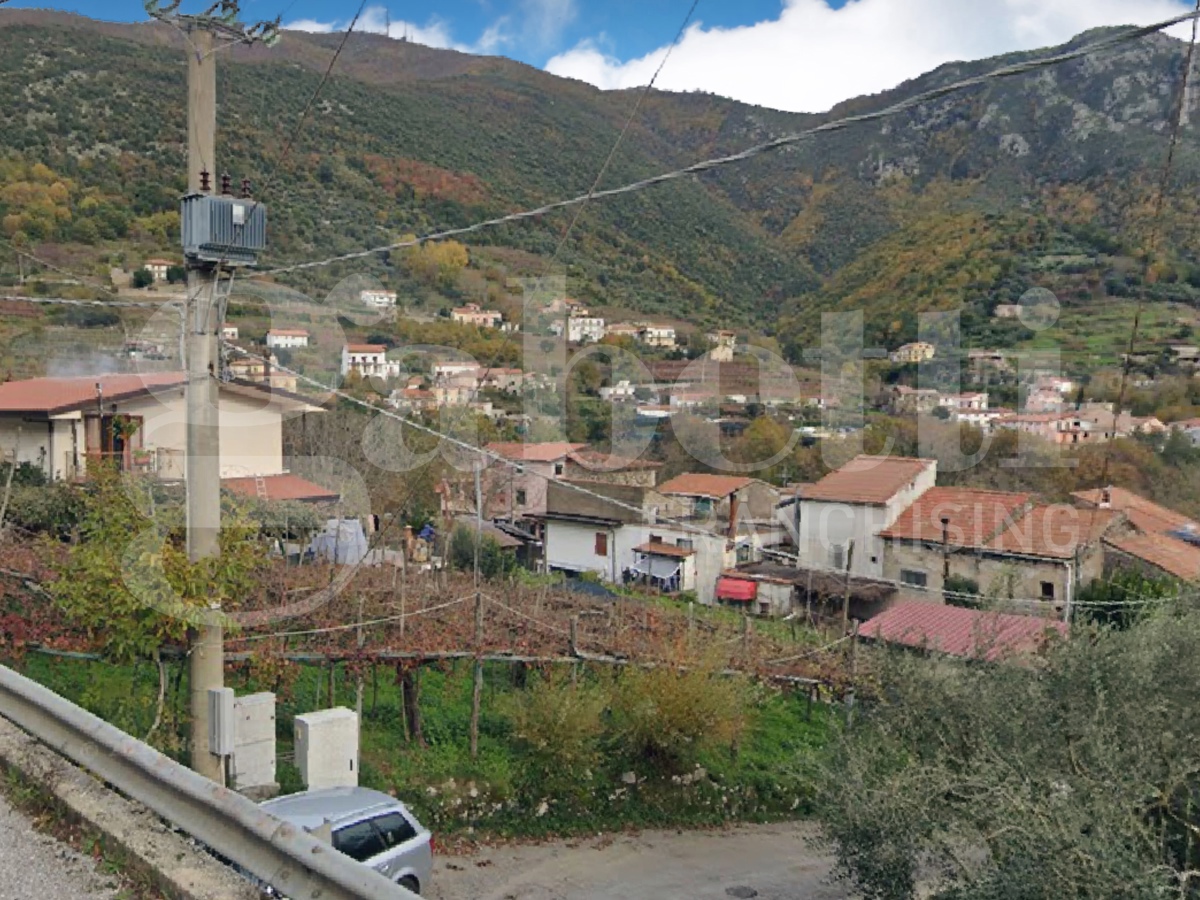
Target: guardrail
287,858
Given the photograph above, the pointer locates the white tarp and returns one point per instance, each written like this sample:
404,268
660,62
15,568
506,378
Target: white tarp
342,542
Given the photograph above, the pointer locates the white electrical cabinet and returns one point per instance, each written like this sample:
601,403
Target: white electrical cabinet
327,748
254,744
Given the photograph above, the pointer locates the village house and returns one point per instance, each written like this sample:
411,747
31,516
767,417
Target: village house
516,489
1032,557
592,465
449,368
653,335
851,506
910,401
369,361
915,352
137,423
229,332
623,535
580,327
1159,541
622,390
378,299
158,268
722,345
622,329
1007,310
987,366
287,338
473,314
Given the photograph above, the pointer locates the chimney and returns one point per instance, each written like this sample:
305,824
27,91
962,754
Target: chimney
733,515
1106,498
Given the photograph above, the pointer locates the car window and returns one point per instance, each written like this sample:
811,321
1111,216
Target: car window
359,841
395,829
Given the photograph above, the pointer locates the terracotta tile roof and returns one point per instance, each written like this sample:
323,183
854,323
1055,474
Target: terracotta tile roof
975,516
656,548
1174,556
59,395
1145,515
610,462
694,484
956,631
548,451
366,348
1053,531
281,487
867,479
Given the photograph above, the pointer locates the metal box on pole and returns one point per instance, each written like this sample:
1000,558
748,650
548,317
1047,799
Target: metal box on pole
221,229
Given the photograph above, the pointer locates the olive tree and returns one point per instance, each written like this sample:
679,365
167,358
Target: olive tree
1074,775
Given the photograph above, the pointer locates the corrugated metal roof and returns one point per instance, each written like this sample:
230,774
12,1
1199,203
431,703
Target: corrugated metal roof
281,487
867,479
969,633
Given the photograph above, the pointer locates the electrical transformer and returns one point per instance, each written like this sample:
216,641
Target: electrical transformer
223,229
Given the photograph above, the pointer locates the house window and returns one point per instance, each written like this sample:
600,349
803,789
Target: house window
601,543
913,577
764,609
558,469
837,556
684,544
520,497
1047,590
656,539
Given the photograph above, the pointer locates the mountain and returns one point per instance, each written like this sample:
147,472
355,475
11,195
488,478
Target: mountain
967,201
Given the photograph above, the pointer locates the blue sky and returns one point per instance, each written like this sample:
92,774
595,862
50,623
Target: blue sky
802,55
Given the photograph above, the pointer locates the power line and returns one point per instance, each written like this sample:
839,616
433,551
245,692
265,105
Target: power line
779,143
1155,234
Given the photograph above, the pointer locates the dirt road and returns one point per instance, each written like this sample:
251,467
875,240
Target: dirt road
769,862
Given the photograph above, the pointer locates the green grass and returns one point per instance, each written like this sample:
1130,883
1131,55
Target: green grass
500,792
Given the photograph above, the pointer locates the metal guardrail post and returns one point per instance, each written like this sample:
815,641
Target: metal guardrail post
288,858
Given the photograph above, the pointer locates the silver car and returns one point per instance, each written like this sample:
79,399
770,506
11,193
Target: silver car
366,825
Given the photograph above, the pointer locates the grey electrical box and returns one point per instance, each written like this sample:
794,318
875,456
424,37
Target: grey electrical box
220,721
229,230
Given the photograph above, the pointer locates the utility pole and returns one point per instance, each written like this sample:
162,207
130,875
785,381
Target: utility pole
206,659
846,593
202,468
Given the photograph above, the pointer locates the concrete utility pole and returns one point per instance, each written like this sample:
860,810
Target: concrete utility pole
206,660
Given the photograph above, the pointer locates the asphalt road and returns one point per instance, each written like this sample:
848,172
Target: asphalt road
768,862
34,866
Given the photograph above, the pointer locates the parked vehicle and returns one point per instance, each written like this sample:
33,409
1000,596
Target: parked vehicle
366,825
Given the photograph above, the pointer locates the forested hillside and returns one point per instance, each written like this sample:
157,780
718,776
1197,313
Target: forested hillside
1043,179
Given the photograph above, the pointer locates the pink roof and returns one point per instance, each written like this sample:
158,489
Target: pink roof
58,395
548,451
289,332
970,633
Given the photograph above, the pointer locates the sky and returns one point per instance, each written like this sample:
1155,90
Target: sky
798,55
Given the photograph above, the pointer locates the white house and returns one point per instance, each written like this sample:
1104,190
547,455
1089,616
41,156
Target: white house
620,538
852,506
229,332
137,422
369,361
622,390
287,338
378,299
451,368
657,335
158,268
580,328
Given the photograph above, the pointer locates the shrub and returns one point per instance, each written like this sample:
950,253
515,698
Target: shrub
493,561
53,509
558,725
142,278
665,717
961,591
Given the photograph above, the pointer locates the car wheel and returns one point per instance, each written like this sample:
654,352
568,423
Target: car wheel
410,884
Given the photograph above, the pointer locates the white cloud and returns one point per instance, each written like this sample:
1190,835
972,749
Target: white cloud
536,28
374,20
813,56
